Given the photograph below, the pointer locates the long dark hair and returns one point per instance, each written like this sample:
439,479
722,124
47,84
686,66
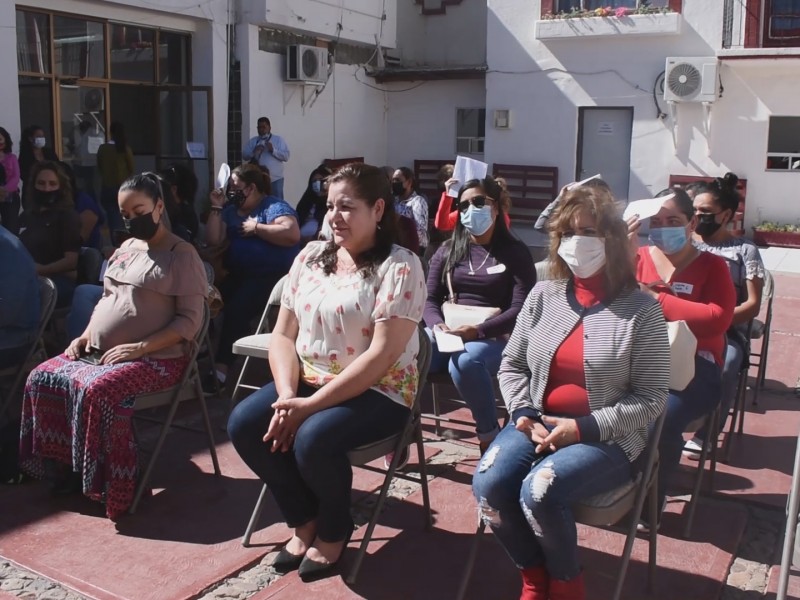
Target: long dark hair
368,184
65,202
9,144
458,245
409,176
118,135
310,198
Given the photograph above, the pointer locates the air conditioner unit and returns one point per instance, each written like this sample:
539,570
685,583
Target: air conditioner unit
307,64
691,79
92,99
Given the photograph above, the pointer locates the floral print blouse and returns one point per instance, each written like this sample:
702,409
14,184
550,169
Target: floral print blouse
337,315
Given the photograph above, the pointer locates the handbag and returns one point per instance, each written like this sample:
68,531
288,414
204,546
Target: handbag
682,350
459,315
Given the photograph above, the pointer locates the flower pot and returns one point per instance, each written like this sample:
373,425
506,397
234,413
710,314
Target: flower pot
782,239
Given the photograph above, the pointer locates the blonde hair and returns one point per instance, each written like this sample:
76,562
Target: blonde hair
619,270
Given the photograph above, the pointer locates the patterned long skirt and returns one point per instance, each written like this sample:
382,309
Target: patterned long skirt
80,415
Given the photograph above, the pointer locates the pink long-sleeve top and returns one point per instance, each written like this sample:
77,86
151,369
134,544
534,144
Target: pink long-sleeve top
11,165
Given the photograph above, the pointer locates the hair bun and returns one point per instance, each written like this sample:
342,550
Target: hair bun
730,180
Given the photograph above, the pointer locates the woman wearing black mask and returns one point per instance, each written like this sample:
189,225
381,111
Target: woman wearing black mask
715,205
51,229
264,238
135,343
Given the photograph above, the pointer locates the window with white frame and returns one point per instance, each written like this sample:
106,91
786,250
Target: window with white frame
570,5
783,144
470,130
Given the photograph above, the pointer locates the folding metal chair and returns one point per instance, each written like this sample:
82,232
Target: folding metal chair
437,381
607,510
257,345
711,423
48,296
359,457
172,397
761,330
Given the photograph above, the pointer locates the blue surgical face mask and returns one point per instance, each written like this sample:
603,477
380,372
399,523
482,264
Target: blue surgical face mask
316,186
669,240
477,220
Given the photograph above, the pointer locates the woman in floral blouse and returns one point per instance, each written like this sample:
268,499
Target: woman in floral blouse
343,354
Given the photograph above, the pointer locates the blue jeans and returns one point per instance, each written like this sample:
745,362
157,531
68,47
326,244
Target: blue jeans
472,371
734,355
314,479
84,300
699,399
276,187
527,499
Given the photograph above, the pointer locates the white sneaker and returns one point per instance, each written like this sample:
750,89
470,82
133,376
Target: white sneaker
693,448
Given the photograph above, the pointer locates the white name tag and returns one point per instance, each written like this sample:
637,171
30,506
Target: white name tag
501,268
683,288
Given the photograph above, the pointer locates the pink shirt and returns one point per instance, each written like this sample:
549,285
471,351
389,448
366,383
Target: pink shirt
11,166
147,291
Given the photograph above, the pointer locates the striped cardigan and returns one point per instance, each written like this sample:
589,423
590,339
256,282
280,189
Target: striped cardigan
626,361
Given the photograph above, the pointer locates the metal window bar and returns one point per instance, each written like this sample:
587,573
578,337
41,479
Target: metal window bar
727,24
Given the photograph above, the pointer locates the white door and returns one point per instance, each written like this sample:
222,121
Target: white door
604,146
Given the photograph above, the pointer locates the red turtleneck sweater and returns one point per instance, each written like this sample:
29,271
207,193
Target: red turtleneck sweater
565,394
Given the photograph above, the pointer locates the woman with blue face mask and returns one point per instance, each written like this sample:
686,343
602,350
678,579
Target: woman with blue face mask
486,266
313,205
692,286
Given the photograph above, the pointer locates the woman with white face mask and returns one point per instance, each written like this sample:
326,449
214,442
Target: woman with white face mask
583,376
313,205
33,148
692,286
486,267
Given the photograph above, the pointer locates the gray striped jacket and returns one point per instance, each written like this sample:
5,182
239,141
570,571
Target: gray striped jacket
626,361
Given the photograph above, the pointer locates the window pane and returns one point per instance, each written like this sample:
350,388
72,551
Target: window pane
174,111
471,122
80,47
36,105
132,57
173,58
135,107
784,135
33,42
784,18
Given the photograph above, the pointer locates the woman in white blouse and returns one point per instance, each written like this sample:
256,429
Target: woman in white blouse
343,355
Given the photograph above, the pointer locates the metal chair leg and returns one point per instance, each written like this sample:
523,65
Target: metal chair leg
470,564
437,427
255,516
701,465
423,474
232,401
793,507
653,538
212,447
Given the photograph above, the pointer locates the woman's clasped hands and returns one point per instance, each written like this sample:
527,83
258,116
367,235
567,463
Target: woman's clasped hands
286,420
564,432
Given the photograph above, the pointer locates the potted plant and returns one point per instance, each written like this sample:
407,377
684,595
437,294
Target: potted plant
769,233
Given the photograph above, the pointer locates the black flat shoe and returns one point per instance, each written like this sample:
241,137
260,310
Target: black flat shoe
311,570
285,561
71,484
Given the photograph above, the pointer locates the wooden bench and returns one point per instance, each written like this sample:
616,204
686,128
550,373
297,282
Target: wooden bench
425,172
531,188
741,187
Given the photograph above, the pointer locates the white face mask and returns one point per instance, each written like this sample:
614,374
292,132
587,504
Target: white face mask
584,255
39,142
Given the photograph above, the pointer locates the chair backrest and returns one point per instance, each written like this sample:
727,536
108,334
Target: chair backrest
769,289
423,365
270,314
209,272
90,263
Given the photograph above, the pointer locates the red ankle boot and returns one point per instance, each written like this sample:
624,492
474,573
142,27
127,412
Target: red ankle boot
567,590
535,582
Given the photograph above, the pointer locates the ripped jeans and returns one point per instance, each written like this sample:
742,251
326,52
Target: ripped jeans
527,500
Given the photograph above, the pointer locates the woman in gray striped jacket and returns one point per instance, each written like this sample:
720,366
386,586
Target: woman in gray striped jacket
585,372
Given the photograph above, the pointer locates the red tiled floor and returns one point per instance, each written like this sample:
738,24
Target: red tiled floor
792,590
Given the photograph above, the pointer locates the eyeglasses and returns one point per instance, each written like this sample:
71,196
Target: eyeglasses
476,201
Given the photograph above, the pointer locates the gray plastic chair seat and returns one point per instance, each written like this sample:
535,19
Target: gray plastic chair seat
256,345
757,332
608,508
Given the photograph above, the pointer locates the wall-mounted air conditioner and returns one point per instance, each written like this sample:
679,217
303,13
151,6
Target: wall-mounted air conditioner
306,64
691,79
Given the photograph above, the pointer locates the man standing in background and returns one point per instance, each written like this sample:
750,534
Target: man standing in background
270,151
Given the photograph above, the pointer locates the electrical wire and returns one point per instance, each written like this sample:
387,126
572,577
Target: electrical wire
635,86
659,88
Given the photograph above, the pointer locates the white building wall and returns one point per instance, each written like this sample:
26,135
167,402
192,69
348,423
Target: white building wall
348,119
349,20
422,123
545,82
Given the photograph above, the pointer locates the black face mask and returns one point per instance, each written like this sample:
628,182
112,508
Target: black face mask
398,189
41,198
236,197
707,225
142,227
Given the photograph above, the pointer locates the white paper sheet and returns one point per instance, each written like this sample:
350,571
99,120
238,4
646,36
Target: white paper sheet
466,169
223,176
447,342
196,149
572,186
645,209
93,144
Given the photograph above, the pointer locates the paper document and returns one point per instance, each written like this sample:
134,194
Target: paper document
572,186
223,176
645,209
447,342
465,170
196,149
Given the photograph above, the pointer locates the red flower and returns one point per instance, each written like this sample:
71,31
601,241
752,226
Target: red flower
365,331
307,308
404,270
390,297
350,351
340,310
332,356
407,296
315,355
